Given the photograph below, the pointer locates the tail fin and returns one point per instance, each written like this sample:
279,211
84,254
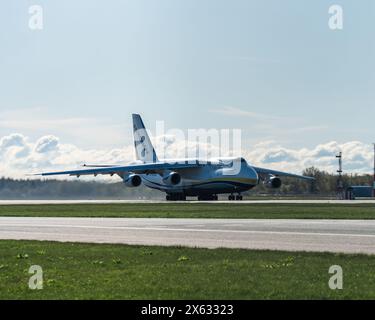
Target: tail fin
144,150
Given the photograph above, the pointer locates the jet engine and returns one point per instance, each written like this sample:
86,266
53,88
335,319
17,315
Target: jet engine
273,182
173,178
133,181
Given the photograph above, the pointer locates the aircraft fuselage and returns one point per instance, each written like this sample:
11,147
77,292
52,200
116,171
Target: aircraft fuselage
212,178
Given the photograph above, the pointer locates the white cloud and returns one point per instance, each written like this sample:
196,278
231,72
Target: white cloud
357,156
19,155
40,122
12,140
46,144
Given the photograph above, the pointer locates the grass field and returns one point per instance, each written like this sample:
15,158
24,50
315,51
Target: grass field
89,271
196,210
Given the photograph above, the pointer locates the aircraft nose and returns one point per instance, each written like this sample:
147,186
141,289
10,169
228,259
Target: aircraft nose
252,173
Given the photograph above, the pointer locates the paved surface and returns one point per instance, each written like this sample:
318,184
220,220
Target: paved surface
349,236
29,202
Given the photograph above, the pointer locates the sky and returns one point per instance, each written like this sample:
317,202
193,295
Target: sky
299,91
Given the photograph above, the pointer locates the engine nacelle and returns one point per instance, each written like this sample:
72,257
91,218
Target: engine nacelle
273,182
172,178
133,181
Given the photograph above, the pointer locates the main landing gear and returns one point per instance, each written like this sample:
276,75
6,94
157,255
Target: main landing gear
208,197
203,197
233,197
175,197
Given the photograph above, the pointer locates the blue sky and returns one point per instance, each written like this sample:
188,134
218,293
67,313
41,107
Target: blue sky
271,68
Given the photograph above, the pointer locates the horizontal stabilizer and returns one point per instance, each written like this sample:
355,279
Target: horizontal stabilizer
281,173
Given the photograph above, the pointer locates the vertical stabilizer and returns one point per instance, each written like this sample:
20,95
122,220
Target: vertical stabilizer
144,150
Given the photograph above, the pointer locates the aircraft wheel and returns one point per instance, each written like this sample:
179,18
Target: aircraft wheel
176,197
207,197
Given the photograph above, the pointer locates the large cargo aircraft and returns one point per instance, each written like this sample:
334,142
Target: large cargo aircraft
180,178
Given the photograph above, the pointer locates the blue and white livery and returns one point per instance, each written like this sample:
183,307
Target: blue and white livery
180,178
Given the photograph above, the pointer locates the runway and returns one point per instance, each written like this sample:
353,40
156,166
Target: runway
40,202
347,236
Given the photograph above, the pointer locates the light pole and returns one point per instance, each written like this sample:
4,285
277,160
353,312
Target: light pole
340,185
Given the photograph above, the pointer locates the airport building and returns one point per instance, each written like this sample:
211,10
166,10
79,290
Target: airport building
354,192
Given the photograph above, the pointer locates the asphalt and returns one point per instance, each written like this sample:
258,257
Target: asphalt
346,236
40,202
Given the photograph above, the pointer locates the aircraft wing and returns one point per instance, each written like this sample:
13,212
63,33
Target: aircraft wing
122,170
280,173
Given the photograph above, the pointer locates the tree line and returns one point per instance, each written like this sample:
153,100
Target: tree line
19,189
